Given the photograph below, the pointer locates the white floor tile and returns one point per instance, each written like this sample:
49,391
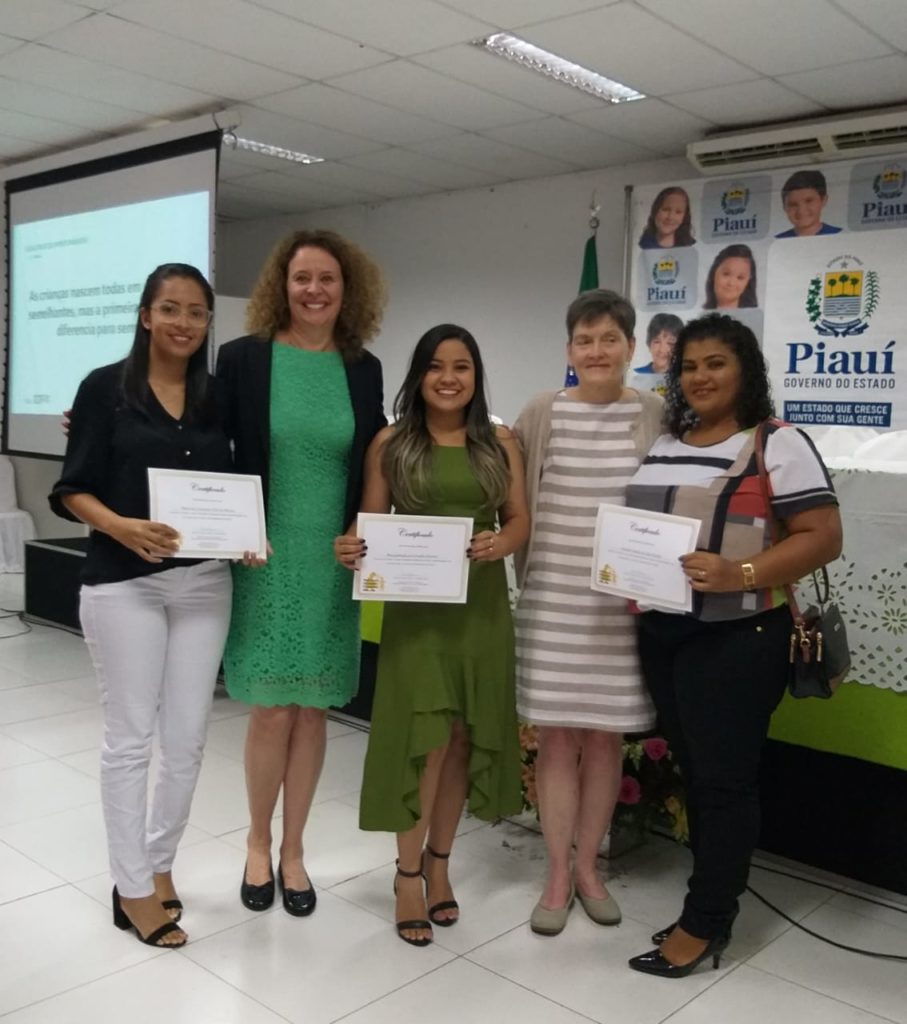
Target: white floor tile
878,986
59,735
313,970
13,753
56,940
33,790
169,989
220,803
585,969
342,772
891,913
227,736
49,662
30,702
461,991
748,996
20,876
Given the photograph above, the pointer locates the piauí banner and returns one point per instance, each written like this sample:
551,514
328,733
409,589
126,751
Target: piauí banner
836,330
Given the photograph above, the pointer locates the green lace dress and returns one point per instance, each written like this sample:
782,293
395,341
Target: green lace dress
438,662
294,636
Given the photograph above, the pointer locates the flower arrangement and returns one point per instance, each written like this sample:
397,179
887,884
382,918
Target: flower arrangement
651,790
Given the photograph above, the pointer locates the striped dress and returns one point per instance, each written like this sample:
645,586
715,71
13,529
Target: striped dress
577,663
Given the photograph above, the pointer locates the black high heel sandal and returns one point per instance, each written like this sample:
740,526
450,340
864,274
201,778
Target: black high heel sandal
122,921
654,962
404,926
442,922
659,937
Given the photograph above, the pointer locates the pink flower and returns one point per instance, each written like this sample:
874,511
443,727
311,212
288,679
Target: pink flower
630,791
656,748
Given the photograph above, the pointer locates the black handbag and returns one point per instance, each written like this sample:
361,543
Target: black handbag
819,655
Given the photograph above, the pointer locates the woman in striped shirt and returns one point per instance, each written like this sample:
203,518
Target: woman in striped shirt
578,675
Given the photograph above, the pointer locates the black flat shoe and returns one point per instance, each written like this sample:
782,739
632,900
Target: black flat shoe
298,902
405,926
122,921
659,937
442,922
257,897
655,963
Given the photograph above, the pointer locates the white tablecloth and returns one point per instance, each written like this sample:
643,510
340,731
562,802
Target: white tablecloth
869,581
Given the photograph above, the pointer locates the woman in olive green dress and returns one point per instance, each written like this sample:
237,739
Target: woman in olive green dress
302,401
444,726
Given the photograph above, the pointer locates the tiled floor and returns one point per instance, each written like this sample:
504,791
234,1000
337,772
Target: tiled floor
61,961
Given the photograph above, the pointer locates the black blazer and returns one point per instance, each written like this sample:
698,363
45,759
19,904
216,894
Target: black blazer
244,384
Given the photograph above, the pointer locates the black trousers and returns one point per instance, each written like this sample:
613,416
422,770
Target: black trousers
715,686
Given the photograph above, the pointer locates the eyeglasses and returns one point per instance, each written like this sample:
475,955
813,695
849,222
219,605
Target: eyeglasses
170,312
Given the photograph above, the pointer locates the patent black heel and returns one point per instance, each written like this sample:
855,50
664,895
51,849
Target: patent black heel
654,962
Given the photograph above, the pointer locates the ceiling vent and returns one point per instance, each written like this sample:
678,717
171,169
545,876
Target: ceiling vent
831,138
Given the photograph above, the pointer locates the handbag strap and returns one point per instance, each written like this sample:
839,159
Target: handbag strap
774,525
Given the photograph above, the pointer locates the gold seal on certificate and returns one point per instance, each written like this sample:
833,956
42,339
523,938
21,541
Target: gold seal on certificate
637,555
413,558
217,515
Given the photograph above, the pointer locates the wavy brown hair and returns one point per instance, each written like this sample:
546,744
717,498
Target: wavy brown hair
364,293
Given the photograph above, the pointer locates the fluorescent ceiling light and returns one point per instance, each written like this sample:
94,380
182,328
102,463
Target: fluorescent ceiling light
266,149
536,59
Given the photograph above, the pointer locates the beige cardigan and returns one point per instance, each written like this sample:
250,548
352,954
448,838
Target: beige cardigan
533,426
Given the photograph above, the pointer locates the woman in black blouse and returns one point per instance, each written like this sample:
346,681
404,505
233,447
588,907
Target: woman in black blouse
155,625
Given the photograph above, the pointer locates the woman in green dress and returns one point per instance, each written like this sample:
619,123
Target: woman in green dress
302,402
444,726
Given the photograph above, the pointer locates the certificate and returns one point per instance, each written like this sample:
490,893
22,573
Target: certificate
413,558
217,515
637,554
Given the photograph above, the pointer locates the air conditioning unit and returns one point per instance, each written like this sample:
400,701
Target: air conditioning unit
803,142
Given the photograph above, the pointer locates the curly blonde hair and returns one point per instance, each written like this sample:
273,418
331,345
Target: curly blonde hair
364,292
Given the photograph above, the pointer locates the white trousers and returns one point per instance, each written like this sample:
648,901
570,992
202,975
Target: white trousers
156,643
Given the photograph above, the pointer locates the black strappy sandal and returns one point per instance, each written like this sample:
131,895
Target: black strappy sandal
404,926
442,922
122,921
176,905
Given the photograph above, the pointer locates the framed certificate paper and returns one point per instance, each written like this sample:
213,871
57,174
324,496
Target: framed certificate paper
217,515
413,558
637,555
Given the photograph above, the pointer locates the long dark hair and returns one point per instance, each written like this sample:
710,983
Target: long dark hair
754,399
407,454
684,233
199,396
748,297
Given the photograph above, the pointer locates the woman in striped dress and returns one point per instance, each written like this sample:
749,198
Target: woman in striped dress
578,675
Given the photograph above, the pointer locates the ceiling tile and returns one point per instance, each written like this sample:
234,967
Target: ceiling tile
484,154
565,140
263,126
255,34
12,149
636,48
400,27
41,129
247,204
439,173
8,44
136,48
650,123
417,90
342,111
887,18
299,185
505,78
39,101
774,36
81,77
387,186
860,83
94,5
747,103
32,19
510,13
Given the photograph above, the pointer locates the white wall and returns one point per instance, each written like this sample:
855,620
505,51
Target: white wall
503,262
